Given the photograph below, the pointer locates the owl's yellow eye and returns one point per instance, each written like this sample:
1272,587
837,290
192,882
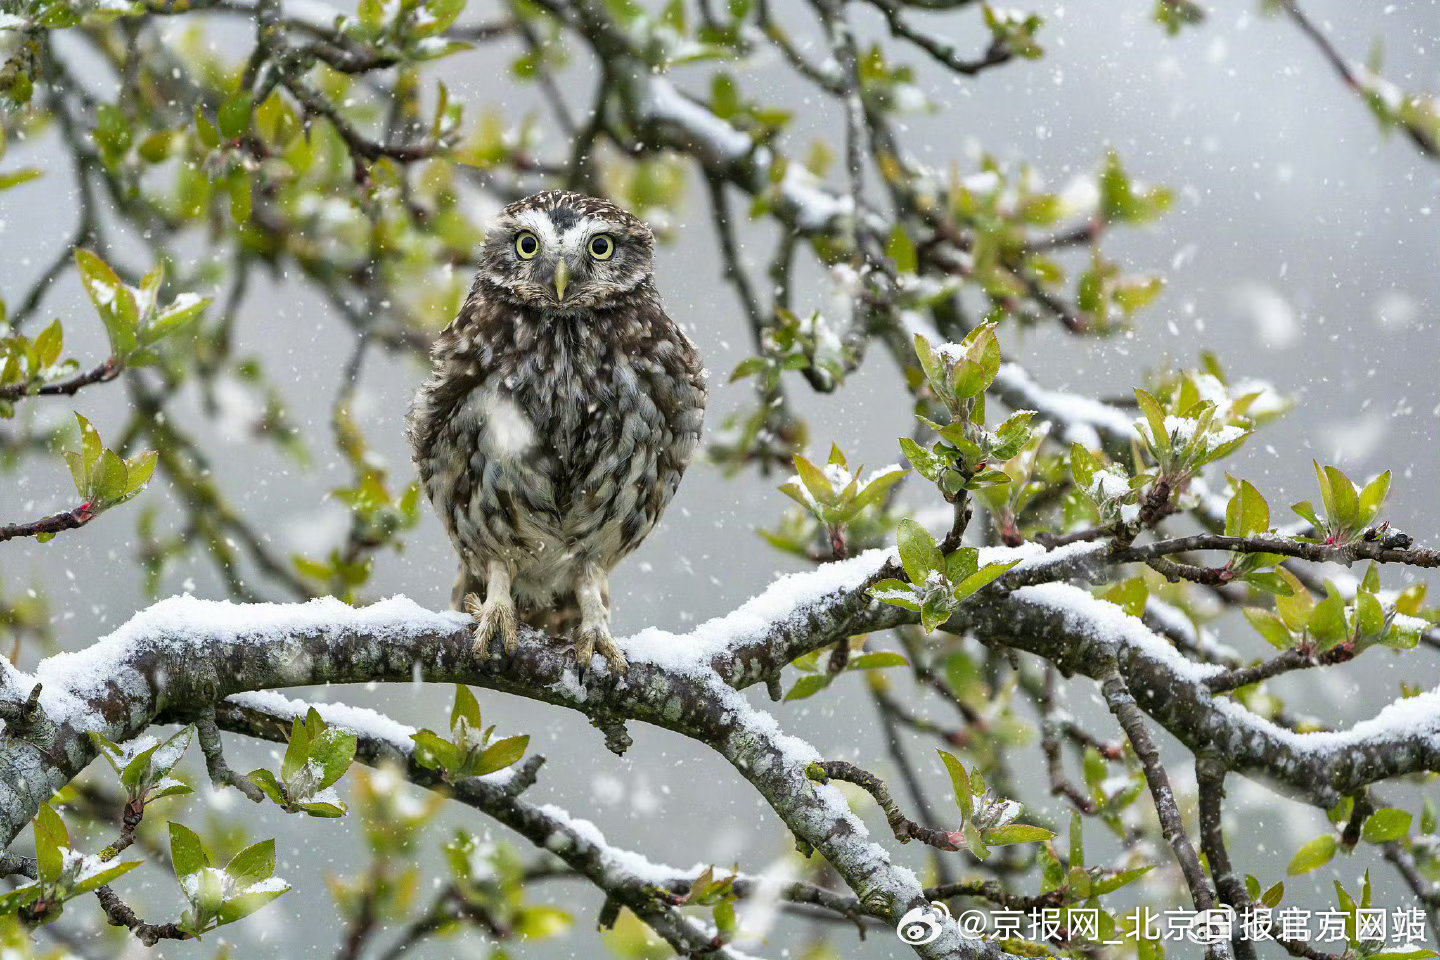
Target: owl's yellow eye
527,245
602,247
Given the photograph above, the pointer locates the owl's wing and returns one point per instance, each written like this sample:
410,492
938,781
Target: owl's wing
674,379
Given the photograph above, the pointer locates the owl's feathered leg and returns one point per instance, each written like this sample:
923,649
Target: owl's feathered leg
497,614
591,590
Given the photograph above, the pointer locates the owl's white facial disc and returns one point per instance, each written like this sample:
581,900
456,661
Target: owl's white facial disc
559,271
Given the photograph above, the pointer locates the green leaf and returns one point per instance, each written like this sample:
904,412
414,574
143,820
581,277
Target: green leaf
1347,502
297,754
1247,513
98,880
1130,595
1155,417
1385,826
137,772
1269,582
968,379
1372,498
876,489
1295,608
960,782
919,553
1313,856
901,250
181,311
807,686
1274,895
253,864
466,707
925,462
502,754
49,344
961,564
1271,627
267,783
114,301
877,661
749,367
186,851
432,751
1327,621
91,446
542,923
240,907
1370,583
1015,833
1369,615
934,611
109,481
234,116
138,471
205,130
1013,434
815,481
332,751
1124,878
987,351
18,177
1306,510
930,364
974,841
897,593
50,838
1083,466
982,578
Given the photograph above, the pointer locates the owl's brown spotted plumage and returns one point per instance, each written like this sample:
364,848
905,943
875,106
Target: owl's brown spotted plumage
562,409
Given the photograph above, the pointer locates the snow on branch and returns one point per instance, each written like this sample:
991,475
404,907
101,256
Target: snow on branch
627,877
182,657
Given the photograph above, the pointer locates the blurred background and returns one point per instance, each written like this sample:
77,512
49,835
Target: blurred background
1301,249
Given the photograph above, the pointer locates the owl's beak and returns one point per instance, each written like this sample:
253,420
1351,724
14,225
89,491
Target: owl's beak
562,279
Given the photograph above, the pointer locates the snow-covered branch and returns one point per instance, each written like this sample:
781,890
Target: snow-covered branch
183,656
623,875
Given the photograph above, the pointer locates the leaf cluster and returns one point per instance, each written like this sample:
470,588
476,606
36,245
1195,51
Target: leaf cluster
221,895
315,759
938,584
64,873
469,752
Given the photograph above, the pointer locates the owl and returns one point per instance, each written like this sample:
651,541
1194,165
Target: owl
561,411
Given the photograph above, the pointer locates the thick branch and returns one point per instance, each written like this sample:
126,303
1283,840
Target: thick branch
577,842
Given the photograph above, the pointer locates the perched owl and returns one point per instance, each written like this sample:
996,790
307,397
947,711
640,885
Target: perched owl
562,408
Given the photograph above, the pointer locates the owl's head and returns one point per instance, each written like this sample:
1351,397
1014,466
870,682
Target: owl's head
566,252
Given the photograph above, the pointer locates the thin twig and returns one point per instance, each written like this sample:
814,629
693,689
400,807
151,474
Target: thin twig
101,373
1122,704
903,827
120,915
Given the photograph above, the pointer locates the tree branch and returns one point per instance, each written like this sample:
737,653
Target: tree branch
100,373
902,826
51,525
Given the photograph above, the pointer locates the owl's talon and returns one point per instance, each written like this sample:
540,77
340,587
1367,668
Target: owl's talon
592,640
495,616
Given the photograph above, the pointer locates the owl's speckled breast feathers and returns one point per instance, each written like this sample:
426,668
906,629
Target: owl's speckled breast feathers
563,407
